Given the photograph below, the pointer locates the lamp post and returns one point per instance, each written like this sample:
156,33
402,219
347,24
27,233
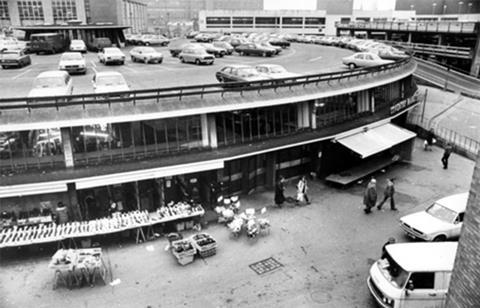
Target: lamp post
434,5
460,3
444,9
469,7
412,7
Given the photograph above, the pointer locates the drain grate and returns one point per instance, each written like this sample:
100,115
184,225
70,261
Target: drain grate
265,266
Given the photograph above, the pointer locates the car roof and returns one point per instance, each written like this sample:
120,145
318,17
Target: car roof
72,53
108,73
269,65
52,74
424,257
457,203
239,66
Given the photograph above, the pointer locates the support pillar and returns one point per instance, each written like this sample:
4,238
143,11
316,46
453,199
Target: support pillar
73,206
205,131
409,39
313,115
440,39
212,131
67,146
303,112
475,67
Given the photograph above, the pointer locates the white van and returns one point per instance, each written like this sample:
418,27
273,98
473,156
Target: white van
440,221
413,275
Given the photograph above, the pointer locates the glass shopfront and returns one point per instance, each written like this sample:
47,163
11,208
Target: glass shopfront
240,126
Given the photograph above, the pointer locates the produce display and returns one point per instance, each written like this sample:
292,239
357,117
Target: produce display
183,250
205,244
42,233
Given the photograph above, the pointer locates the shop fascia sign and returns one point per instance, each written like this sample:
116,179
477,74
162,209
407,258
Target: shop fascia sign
402,105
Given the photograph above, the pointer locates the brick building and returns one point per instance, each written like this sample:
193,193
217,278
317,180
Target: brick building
464,288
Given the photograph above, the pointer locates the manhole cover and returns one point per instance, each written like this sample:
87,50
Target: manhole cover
265,266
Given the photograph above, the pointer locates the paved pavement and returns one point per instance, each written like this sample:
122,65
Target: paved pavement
299,58
326,249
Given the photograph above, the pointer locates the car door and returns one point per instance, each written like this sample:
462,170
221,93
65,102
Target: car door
138,54
370,61
227,74
421,292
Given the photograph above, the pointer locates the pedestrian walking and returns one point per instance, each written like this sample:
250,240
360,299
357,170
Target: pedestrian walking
370,196
429,140
279,192
446,155
388,194
302,189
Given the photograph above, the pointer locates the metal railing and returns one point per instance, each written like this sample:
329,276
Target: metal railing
417,26
156,95
462,144
432,49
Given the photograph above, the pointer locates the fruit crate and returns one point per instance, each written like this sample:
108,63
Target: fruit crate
205,244
184,251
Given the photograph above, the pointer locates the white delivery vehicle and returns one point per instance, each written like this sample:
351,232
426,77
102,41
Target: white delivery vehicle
413,275
441,221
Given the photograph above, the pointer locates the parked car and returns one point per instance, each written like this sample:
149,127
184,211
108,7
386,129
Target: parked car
52,83
221,44
196,55
389,53
192,34
9,142
146,55
108,82
72,62
100,43
279,42
10,43
78,45
111,55
266,44
440,221
411,275
204,38
237,73
364,59
150,39
47,43
176,48
255,49
133,39
212,49
14,58
274,71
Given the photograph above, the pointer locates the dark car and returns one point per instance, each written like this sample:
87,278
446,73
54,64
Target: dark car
204,38
14,58
176,49
99,43
279,42
214,50
255,49
47,43
237,73
8,145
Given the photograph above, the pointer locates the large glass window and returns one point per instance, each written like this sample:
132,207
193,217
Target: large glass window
242,20
4,15
218,20
266,20
30,10
336,109
64,10
315,20
292,20
254,124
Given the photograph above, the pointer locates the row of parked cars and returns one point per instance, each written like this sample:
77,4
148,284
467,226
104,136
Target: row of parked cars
146,39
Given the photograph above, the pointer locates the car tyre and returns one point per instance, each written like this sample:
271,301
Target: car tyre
122,63
352,66
182,60
147,44
197,62
145,60
160,61
440,238
264,54
133,59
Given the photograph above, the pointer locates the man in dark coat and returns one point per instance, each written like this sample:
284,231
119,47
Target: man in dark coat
388,193
279,192
446,155
370,196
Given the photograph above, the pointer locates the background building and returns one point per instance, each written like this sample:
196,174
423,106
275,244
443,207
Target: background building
440,7
131,13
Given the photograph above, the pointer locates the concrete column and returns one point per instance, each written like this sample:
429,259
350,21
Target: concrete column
48,12
13,12
363,101
409,40
73,206
475,67
313,115
205,132
212,129
463,289
67,146
440,39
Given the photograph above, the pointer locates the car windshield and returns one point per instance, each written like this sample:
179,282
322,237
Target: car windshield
247,72
71,56
10,55
77,43
441,212
108,81
49,82
112,51
393,272
277,69
148,50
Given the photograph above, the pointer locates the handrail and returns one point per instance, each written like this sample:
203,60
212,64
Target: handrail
418,25
186,91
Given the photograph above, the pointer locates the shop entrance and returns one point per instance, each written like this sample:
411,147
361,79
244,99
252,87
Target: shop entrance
246,175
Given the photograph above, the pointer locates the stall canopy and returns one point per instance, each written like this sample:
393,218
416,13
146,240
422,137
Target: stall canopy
376,139
32,189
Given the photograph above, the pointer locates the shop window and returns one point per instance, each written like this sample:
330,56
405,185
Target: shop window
30,10
218,20
242,20
64,10
4,14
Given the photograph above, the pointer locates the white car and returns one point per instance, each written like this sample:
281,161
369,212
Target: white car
72,62
364,59
107,82
52,83
440,221
274,71
197,55
111,55
78,45
150,39
146,55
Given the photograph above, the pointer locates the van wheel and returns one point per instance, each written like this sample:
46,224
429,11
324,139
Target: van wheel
352,66
440,238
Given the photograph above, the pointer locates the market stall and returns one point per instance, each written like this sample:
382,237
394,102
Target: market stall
135,220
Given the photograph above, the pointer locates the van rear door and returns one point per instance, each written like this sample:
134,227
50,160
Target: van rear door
425,290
